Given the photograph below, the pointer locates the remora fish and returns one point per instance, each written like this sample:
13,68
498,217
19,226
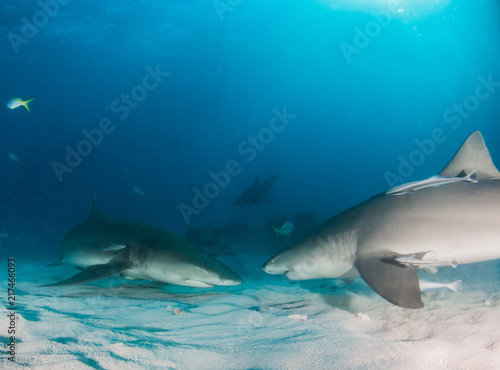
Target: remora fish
139,191
432,181
14,157
455,286
256,193
104,246
458,222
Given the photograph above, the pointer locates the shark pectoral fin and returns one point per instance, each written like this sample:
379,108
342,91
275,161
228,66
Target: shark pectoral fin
396,283
93,273
118,264
58,263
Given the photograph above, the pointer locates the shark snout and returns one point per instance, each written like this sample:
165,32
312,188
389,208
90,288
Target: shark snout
274,268
230,281
222,276
214,281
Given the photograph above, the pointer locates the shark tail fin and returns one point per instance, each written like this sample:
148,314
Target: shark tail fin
278,231
26,102
58,263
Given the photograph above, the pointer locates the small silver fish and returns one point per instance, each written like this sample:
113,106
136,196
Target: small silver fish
14,157
456,286
139,191
3,236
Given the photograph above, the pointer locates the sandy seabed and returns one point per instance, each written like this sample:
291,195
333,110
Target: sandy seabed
267,322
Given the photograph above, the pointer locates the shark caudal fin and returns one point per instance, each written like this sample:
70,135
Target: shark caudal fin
117,265
472,155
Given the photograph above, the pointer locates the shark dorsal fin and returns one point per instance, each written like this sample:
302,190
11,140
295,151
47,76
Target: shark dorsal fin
95,212
472,155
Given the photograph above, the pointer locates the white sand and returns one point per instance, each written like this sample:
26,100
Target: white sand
267,322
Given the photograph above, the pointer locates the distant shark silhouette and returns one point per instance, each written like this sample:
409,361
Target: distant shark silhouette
258,192
103,246
442,221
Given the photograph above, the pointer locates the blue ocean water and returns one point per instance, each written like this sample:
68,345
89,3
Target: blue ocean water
341,100
358,107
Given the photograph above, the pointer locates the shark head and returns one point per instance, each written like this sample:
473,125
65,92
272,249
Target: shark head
200,270
316,257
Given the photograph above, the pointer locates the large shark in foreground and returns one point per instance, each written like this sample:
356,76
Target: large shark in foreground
390,236
103,247
258,192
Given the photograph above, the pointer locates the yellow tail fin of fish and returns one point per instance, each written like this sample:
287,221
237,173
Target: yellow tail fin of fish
26,102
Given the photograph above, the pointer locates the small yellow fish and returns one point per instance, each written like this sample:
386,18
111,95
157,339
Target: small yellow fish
286,229
17,102
140,192
14,157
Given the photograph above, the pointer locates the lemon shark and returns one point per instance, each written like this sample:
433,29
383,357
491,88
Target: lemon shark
389,237
103,246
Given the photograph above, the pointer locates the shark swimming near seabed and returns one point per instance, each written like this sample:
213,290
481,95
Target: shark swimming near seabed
103,246
389,237
258,192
